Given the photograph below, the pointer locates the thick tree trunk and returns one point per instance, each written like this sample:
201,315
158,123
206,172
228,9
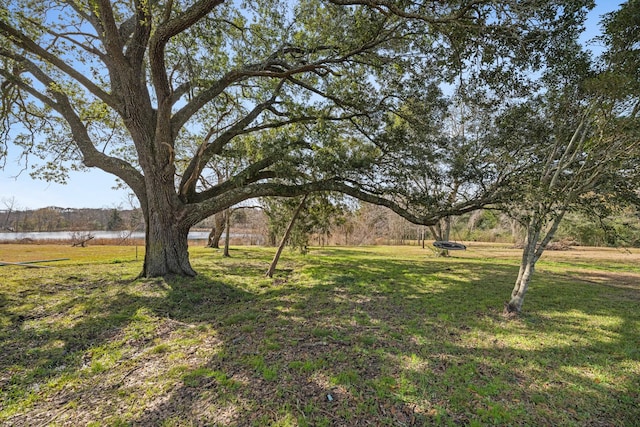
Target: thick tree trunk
283,242
167,248
219,221
167,228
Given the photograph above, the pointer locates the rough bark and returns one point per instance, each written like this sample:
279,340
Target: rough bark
167,229
219,220
155,96
167,249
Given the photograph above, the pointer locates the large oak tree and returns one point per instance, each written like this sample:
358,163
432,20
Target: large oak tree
152,91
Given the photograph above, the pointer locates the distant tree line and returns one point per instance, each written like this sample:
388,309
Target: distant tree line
339,223
69,219
368,224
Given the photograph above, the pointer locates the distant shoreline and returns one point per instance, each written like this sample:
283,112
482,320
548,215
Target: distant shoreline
98,234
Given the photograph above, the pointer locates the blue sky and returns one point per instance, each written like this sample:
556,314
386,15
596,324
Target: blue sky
95,189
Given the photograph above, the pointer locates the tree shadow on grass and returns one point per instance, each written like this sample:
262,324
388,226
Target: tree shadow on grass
69,335
387,342
351,341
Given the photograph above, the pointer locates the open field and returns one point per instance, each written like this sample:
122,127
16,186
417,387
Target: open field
340,337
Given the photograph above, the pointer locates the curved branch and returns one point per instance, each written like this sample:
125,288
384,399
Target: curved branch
264,69
207,151
392,8
15,79
271,67
111,39
253,173
136,34
86,48
29,45
240,194
161,37
60,103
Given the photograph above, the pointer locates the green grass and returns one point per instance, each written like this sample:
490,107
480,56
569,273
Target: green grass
341,336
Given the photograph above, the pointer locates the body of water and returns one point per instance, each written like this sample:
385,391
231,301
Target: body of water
68,235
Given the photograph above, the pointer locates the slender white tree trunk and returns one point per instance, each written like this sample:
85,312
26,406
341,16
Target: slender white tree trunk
527,268
534,246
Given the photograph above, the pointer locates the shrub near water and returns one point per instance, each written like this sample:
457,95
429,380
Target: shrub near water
348,336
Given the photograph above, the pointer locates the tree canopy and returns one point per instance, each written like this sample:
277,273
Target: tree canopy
298,94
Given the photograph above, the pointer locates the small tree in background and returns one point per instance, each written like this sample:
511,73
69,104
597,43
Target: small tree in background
115,222
286,235
319,214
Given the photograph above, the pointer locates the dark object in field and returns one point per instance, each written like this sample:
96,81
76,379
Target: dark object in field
451,246
30,263
80,240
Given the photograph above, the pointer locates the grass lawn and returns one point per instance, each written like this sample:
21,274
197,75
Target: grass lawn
340,337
